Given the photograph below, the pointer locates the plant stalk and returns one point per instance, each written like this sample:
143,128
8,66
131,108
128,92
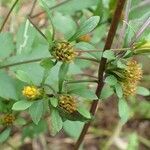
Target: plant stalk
5,20
102,64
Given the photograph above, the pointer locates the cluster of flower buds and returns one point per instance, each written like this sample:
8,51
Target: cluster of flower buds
133,74
32,92
8,119
68,103
64,51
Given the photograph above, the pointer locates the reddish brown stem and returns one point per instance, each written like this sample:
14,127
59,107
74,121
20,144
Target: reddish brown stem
5,20
102,64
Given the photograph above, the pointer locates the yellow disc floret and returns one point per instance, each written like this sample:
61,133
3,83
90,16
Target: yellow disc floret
64,51
8,119
133,74
31,92
68,103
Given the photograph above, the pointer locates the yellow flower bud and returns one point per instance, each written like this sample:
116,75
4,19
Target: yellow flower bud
31,92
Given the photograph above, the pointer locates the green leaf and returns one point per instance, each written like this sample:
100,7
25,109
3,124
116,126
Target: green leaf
22,105
36,111
111,80
84,112
62,74
47,63
25,37
83,91
86,46
68,25
123,110
73,6
133,142
54,102
6,44
107,91
86,27
4,135
7,86
23,76
109,55
119,91
56,121
143,91
73,128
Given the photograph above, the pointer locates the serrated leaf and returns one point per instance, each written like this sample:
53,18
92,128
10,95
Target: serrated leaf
107,91
123,110
83,91
4,135
109,55
54,101
22,105
7,86
84,112
119,91
36,111
62,74
23,76
111,80
73,128
47,63
7,45
56,121
143,91
86,27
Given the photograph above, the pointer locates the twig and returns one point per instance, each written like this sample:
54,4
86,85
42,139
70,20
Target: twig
37,29
51,8
80,81
87,75
5,20
126,18
32,8
22,62
87,58
102,65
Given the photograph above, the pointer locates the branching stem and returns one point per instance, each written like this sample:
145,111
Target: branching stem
102,64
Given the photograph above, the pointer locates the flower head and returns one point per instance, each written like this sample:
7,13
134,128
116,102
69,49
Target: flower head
63,51
31,92
133,74
8,119
68,103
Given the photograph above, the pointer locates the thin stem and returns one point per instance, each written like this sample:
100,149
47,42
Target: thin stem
87,58
99,50
32,9
5,20
37,29
87,75
109,40
22,62
51,8
80,81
